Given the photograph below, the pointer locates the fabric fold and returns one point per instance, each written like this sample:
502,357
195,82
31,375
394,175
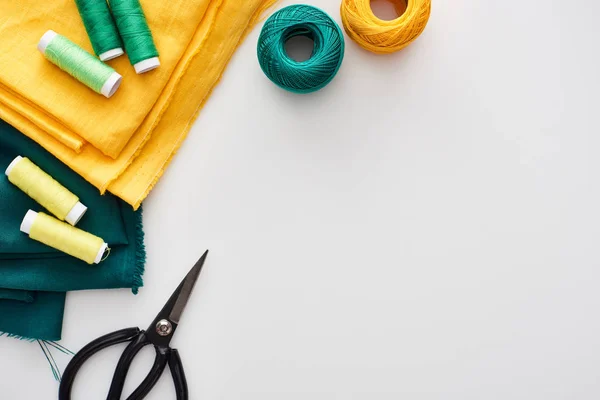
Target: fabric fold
128,140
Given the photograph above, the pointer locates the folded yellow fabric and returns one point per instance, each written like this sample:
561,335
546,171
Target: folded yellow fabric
121,144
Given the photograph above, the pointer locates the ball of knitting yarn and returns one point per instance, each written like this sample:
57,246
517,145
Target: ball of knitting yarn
300,76
381,36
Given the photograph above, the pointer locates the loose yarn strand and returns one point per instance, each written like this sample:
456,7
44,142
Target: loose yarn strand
53,365
50,358
381,36
60,348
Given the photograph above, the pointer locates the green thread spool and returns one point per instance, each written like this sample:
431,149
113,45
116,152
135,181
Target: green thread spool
101,28
136,34
80,64
300,76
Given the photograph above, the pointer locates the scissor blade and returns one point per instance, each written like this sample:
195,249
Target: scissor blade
187,286
161,331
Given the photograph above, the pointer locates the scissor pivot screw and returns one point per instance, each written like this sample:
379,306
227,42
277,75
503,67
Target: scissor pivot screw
164,327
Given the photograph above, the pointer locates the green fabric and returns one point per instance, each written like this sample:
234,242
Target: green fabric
35,277
19,295
39,319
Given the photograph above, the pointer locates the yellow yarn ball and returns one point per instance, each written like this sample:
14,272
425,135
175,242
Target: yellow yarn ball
381,36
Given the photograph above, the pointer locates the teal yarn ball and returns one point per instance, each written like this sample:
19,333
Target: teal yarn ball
300,76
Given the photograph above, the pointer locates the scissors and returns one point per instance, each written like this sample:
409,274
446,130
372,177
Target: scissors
159,334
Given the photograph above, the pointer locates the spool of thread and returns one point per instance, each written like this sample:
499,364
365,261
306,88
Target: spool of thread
80,64
328,52
381,36
136,34
40,186
101,28
64,237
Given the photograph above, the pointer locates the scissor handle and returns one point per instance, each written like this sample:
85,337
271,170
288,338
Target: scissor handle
176,367
66,384
160,362
164,355
138,340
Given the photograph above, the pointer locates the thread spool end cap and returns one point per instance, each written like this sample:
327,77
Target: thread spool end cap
110,54
111,85
28,221
45,40
12,165
101,253
76,213
146,65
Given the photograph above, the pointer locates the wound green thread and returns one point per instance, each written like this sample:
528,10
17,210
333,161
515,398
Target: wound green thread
328,52
78,63
134,30
100,25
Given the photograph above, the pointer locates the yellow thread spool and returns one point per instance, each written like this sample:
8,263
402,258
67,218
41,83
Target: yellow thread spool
41,187
64,237
381,36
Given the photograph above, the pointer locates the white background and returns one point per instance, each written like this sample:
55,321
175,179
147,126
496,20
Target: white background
426,227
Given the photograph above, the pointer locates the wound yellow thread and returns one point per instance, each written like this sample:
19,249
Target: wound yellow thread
41,187
380,36
64,237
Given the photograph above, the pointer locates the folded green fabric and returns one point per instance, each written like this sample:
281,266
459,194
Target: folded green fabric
35,277
38,319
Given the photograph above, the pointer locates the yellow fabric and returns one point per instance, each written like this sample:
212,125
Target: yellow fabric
121,144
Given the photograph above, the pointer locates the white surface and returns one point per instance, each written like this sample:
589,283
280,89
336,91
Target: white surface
425,228
27,222
76,213
45,40
12,165
146,65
